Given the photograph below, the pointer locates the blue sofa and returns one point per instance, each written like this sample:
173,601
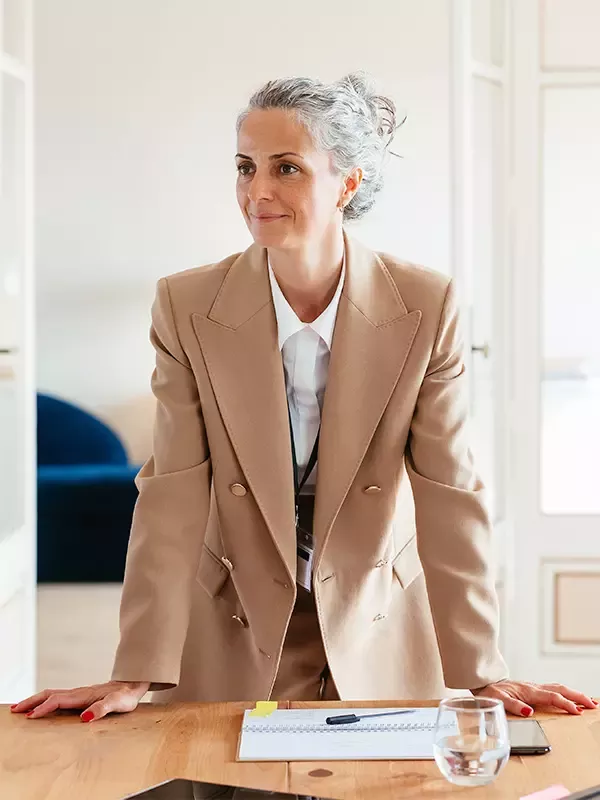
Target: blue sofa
85,496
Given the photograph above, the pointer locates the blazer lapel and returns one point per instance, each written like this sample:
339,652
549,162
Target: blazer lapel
373,336
242,356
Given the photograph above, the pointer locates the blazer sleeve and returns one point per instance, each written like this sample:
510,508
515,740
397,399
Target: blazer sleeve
453,528
170,517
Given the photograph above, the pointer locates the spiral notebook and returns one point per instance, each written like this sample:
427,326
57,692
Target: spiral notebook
303,735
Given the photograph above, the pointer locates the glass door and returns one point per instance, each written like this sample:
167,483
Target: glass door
556,353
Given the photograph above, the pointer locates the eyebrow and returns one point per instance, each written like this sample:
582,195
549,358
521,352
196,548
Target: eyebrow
271,158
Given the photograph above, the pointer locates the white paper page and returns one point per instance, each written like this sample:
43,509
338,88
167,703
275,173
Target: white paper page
303,735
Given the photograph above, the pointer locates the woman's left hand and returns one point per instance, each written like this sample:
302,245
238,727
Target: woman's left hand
521,697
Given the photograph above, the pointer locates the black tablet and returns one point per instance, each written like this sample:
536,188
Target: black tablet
197,790
527,738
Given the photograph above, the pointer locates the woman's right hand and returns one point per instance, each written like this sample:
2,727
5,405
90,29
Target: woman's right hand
97,701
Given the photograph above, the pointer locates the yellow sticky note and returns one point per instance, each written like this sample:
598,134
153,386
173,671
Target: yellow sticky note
264,708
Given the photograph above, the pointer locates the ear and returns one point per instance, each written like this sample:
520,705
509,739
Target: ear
352,181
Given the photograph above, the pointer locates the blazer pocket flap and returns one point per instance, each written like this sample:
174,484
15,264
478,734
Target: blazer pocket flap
407,564
212,573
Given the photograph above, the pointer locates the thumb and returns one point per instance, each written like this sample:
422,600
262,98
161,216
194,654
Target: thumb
517,707
119,702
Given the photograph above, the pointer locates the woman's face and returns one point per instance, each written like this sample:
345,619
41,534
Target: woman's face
287,190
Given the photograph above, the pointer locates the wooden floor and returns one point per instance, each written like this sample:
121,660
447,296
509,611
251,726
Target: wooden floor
77,633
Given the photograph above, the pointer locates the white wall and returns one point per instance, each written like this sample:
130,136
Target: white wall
136,102
93,349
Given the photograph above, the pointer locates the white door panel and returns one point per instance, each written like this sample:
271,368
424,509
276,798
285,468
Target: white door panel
488,31
480,162
17,388
569,34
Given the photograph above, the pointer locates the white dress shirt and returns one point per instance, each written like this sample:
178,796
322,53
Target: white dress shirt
305,349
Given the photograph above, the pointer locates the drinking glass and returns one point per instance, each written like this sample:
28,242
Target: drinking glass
471,744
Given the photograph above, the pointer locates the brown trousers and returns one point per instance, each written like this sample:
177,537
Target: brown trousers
303,672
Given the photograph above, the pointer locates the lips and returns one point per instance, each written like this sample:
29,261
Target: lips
267,217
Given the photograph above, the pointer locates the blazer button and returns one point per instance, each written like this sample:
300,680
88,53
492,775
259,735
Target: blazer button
240,621
372,489
381,563
237,489
379,617
227,563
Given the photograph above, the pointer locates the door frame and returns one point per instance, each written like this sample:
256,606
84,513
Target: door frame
463,69
543,545
17,364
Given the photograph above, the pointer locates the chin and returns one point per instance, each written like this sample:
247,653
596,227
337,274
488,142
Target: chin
271,238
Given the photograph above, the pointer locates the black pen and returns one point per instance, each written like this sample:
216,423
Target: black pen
346,719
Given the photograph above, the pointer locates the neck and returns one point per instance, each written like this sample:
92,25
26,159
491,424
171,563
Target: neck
309,276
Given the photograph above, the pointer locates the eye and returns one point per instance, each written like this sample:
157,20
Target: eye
244,168
288,169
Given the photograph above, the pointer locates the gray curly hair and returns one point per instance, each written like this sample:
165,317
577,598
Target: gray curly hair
346,118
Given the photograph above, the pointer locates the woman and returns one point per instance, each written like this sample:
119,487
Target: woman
251,573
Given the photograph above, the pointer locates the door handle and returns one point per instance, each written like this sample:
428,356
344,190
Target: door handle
484,349
7,372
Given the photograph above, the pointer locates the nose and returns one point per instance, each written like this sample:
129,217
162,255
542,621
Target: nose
260,188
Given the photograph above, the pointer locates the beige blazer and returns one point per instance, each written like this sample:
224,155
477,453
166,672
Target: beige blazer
403,575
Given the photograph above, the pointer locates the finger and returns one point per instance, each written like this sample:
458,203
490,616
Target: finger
516,706
76,698
120,702
577,697
555,699
31,702
47,707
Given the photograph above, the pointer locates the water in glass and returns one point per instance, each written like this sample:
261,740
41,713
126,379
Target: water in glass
471,740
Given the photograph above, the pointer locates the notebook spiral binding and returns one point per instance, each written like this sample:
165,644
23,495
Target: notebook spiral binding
388,727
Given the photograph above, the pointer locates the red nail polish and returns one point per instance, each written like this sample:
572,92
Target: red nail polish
12,708
87,716
30,713
527,712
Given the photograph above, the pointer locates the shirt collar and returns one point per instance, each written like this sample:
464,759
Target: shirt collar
287,320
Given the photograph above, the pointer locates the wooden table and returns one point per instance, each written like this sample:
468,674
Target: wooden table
60,758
